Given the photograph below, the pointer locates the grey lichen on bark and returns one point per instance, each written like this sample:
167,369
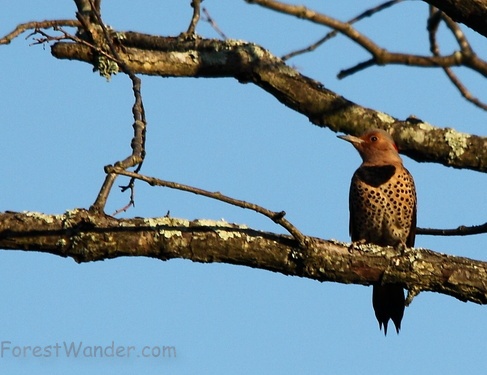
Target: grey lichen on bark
86,236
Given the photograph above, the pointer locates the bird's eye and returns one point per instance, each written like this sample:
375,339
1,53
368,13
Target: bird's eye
374,138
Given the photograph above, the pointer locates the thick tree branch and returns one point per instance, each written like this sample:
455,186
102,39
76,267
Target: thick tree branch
469,12
86,236
247,62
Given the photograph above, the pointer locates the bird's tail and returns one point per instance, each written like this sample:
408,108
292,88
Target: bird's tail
388,301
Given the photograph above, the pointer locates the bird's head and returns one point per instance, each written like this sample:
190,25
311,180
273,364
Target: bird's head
376,147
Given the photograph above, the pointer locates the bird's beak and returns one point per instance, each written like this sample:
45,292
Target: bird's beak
350,138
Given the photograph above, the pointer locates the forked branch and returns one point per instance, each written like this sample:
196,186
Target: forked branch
140,125
368,13
381,56
436,17
37,25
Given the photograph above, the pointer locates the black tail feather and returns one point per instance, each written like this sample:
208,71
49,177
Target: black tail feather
389,303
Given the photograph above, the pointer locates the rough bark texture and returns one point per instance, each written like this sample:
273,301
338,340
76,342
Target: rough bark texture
247,62
85,237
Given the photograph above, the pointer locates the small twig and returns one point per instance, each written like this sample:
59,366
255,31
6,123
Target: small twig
277,217
126,207
213,24
37,25
463,89
195,18
131,203
462,230
46,37
354,69
368,13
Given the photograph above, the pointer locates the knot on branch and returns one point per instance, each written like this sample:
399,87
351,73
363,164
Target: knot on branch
278,216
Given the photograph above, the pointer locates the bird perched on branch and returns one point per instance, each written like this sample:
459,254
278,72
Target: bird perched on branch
382,205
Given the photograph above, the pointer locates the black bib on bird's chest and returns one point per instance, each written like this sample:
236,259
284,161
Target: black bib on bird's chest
376,176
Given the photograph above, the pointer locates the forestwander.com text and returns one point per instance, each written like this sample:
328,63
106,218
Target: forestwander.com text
78,349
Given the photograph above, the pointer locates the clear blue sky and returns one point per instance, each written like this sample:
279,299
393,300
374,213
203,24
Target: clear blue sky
61,123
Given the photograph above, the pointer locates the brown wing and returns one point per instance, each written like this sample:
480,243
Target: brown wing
353,228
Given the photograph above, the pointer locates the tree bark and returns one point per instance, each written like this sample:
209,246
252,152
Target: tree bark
85,237
472,13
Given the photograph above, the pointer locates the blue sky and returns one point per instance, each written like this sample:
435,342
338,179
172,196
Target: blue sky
61,123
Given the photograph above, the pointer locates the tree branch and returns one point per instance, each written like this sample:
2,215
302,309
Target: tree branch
277,217
195,4
380,56
92,23
208,18
86,236
469,12
23,27
433,23
247,62
460,231
368,13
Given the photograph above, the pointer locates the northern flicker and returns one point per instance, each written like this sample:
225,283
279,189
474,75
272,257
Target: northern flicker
382,205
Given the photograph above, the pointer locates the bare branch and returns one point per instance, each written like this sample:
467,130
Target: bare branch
467,51
139,125
463,89
195,4
380,55
368,13
37,25
460,231
357,68
277,217
436,16
459,35
213,23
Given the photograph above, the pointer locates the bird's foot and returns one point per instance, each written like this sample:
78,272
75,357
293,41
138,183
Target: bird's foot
402,247
355,244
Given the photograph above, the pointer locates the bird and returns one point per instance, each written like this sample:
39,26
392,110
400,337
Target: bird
382,205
